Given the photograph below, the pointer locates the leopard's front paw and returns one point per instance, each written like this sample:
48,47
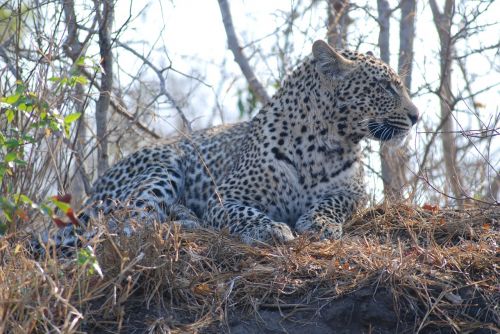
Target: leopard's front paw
331,231
281,232
319,228
267,232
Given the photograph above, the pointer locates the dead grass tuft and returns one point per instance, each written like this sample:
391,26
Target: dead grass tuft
441,266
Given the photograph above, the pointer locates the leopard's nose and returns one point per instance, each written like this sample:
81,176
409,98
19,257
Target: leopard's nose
413,118
413,114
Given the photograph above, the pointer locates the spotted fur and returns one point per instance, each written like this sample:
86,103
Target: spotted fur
294,168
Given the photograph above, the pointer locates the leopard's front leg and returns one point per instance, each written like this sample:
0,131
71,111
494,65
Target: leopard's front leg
249,223
326,217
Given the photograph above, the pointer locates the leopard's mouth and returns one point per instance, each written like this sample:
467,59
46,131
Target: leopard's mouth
384,131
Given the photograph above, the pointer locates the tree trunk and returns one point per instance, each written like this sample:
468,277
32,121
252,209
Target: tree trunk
406,37
80,184
338,23
494,189
105,21
443,22
384,15
388,166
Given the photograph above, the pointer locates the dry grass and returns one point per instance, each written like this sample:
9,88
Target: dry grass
442,268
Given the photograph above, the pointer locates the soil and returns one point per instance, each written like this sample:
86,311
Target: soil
363,311
367,310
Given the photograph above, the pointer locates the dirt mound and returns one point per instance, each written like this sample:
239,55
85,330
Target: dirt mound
398,269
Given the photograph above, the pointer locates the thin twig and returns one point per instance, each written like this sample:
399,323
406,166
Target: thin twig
163,88
123,111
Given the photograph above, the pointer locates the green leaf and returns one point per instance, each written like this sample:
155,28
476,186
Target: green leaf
28,139
54,126
7,215
20,162
20,101
25,106
9,113
25,199
3,170
72,117
3,228
11,156
21,88
86,256
64,207
43,105
47,210
80,61
79,79
12,143
11,99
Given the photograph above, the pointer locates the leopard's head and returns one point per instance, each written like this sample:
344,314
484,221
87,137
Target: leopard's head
372,100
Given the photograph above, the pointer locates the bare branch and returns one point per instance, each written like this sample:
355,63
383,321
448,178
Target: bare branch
7,59
239,56
163,88
122,110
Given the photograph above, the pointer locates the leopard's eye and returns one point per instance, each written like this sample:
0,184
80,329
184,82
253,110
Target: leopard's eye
388,87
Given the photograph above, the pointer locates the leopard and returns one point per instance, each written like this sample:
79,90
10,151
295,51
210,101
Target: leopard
293,169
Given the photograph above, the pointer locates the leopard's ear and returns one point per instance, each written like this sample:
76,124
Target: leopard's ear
329,62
